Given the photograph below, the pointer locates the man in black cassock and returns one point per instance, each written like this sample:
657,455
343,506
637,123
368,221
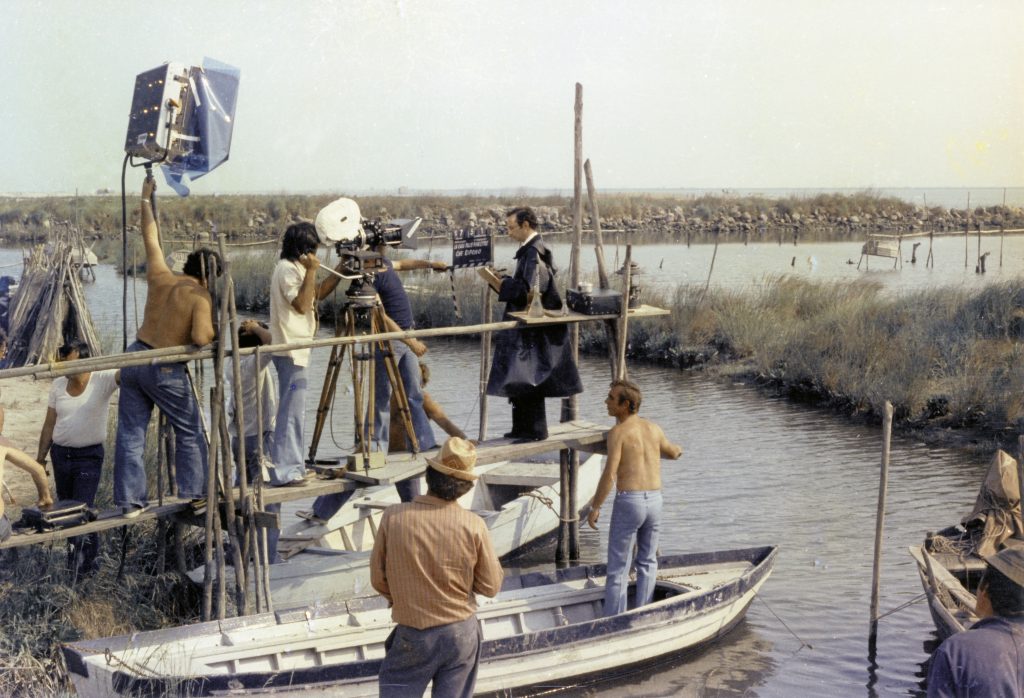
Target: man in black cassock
531,364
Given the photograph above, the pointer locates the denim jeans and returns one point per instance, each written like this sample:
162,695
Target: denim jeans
289,437
409,371
447,654
636,516
76,475
169,387
253,471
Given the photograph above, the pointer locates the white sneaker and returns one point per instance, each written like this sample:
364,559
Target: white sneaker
132,512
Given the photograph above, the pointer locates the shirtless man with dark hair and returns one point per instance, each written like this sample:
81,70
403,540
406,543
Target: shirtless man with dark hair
179,311
635,449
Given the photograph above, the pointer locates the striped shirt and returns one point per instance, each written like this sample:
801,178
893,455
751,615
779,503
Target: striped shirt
428,560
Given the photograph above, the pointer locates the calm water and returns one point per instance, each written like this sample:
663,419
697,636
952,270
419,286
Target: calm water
755,471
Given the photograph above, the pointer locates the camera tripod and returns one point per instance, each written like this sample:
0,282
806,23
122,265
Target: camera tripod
363,360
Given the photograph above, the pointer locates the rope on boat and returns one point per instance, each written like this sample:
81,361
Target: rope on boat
549,503
137,668
802,643
917,599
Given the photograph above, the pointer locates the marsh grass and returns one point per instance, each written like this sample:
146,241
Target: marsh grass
43,605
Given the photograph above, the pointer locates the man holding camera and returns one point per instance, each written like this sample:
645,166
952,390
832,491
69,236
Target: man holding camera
294,293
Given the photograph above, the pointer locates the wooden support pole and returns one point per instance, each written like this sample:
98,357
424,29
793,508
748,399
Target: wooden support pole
568,530
1020,472
602,273
883,485
623,328
485,360
595,217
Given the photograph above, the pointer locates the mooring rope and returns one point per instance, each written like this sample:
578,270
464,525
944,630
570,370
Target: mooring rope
798,639
137,668
917,599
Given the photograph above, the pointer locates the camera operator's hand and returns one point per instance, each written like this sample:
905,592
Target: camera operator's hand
148,187
310,261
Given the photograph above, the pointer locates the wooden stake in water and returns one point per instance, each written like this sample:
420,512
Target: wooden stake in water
883,485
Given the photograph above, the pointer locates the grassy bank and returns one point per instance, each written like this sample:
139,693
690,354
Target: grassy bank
944,357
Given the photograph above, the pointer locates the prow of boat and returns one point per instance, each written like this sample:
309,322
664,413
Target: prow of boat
950,564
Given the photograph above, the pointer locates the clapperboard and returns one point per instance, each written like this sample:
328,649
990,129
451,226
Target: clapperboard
472,247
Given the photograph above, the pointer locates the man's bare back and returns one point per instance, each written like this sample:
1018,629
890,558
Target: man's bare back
640,444
179,309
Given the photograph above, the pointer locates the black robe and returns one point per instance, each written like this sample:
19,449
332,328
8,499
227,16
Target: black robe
534,361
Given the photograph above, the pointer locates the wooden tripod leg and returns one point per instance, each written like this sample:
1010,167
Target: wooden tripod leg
327,395
395,379
358,375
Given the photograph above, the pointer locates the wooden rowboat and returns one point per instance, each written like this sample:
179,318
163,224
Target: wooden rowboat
329,560
950,581
542,628
950,563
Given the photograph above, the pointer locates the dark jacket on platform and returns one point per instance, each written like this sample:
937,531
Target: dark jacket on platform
535,361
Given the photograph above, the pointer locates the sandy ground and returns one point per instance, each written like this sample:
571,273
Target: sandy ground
24,402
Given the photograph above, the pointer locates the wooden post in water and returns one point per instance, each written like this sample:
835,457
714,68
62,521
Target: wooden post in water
569,530
883,485
967,227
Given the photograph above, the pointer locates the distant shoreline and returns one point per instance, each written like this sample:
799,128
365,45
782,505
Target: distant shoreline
948,197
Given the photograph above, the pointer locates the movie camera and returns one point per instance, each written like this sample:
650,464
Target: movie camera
356,240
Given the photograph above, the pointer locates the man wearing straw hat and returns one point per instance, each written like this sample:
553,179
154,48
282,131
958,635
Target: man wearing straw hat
988,659
429,559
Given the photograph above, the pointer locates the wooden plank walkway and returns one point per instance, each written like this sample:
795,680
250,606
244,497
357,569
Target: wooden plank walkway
555,317
578,435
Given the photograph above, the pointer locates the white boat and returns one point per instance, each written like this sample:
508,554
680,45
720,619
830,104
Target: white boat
542,629
329,561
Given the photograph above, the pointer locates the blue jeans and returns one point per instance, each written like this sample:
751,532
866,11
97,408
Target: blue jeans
289,438
76,474
168,387
409,371
636,516
253,471
447,654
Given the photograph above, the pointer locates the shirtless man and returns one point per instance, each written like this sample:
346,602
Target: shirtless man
635,449
24,461
179,311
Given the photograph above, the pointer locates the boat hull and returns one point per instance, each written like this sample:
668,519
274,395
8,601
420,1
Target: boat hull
542,629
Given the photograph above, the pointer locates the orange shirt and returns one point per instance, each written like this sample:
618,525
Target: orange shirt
430,558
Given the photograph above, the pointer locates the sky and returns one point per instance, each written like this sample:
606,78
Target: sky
377,95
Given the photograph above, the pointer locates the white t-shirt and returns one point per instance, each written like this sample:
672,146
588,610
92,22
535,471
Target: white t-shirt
268,395
82,419
287,325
